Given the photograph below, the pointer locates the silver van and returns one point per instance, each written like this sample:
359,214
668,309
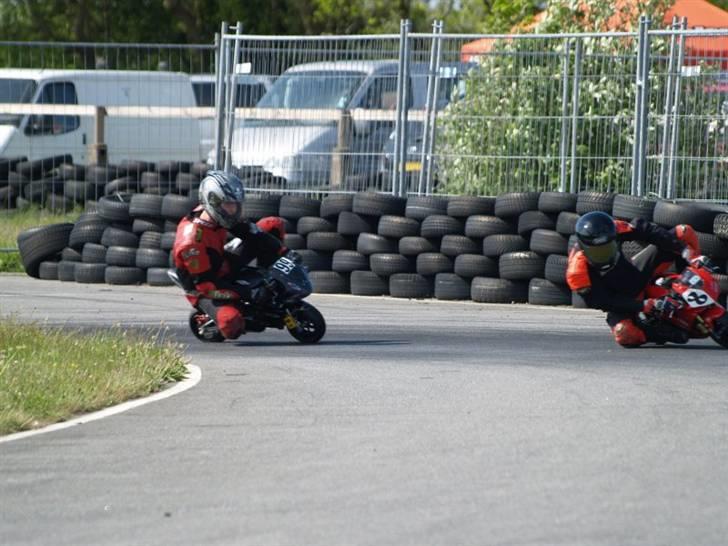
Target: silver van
293,139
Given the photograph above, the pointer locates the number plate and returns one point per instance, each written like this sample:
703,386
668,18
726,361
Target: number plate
290,322
697,298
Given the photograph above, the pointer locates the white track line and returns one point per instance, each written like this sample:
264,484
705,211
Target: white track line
195,374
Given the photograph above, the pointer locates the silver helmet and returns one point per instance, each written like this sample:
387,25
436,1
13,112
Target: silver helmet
222,195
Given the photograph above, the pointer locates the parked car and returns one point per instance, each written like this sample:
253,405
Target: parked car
297,149
145,138
250,88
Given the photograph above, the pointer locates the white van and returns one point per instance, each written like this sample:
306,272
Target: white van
298,150
146,137
250,88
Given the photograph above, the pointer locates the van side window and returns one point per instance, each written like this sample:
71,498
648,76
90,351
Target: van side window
54,93
249,94
382,93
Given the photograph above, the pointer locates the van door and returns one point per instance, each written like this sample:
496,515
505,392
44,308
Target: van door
53,134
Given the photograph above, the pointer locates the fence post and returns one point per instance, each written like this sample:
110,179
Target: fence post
219,96
340,155
641,102
667,119
671,182
564,115
575,112
98,153
433,124
428,105
400,142
232,93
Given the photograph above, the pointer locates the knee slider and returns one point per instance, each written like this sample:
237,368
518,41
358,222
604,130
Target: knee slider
230,321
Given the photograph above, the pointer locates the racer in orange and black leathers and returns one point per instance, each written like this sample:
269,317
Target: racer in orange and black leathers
206,269
607,280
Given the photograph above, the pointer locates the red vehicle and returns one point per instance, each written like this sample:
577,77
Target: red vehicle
699,313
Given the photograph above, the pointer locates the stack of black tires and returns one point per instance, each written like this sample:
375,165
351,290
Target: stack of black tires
510,248
55,183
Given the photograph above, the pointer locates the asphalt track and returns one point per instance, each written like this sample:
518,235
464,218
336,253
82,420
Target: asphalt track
411,423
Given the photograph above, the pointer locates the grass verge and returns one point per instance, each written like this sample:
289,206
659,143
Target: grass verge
13,221
48,374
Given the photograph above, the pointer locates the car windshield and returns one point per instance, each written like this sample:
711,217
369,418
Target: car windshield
14,91
312,89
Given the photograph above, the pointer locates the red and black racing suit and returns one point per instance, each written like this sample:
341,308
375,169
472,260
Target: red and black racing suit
619,290
209,273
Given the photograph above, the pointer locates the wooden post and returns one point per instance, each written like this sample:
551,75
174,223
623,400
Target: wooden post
98,153
340,158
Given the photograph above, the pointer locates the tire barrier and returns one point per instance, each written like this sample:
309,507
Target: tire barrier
511,248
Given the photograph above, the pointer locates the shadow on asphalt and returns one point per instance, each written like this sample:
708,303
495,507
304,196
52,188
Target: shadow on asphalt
680,347
332,343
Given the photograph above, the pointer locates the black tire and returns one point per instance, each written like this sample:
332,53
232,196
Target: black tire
712,246
346,261
121,256
391,264
256,207
534,219
36,191
629,207
69,254
199,168
449,286
289,226
118,237
420,207
134,167
329,282
166,242
48,271
37,168
141,225
378,204
310,224
350,223
93,254
89,273
167,170
41,244
720,226
546,241
86,232
566,223
410,285
298,206
146,205
124,275
545,292
334,204
213,335
398,226
70,171
475,265
99,174
589,201
511,205
151,257
454,245
414,246
125,184
368,283
463,206
8,195
369,243
315,260
186,182
176,207
79,191
151,239
555,202
488,290
328,242
432,263
480,226
700,217
294,241
521,266
58,204
438,225
497,245
555,269
67,271
157,276
115,208
312,323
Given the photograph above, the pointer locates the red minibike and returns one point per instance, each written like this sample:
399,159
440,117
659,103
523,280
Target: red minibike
699,314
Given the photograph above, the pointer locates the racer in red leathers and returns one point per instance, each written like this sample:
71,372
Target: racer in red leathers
607,280
206,267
